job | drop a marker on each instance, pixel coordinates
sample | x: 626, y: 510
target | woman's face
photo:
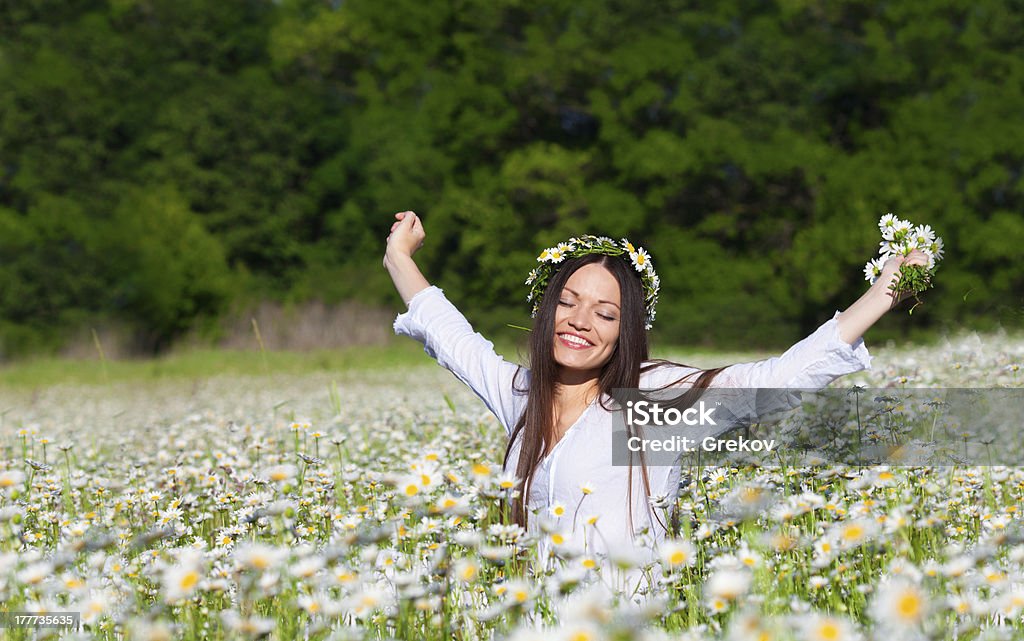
x: 587, y: 321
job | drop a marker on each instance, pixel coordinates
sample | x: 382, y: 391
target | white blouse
x: 584, y: 454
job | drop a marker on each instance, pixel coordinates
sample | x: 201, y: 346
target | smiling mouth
x: 574, y: 342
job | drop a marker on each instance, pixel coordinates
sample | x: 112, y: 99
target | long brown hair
x: 536, y: 426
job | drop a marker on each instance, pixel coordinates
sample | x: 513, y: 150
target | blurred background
x: 206, y: 173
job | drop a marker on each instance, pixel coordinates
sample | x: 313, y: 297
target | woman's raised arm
x: 405, y: 238
x: 833, y: 350
x: 875, y: 302
x: 445, y: 333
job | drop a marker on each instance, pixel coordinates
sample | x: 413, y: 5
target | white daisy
x: 728, y: 584
x: 641, y: 259
x: 466, y: 570
x: 851, y: 534
x: 819, y: 627
x: 410, y: 485
x: 11, y: 478
x: 279, y: 473
x: 887, y: 223
x: 901, y: 227
x: 900, y: 604
x: 897, y: 249
x: 259, y: 556
x: 677, y: 553
x: 873, y: 269
x: 35, y: 573
x: 924, y: 235
x: 182, y: 579
x: 517, y: 592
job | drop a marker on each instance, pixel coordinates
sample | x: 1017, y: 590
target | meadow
x: 362, y: 498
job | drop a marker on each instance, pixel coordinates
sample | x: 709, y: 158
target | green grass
x: 206, y: 363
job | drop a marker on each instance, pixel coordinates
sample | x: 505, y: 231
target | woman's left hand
x: 891, y: 273
x: 878, y: 300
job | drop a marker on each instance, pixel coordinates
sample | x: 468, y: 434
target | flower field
x: 369, y: 506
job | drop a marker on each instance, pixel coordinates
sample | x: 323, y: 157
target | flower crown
x: 551, y: 258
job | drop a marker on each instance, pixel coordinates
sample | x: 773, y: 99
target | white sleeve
x: 448, y: 337
x: 812, y: 363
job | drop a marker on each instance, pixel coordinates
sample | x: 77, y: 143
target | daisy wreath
x: 551, y: 258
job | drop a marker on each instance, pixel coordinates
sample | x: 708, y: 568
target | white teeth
x: 575, y: 340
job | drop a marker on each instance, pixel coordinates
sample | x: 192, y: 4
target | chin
x: 580, y: 364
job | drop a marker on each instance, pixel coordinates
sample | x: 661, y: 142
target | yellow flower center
x: 853, y: 533
x: 189, y: 580
x: 828, y: 631
x: 908, y: 606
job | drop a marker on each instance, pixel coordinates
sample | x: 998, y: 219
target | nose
x: 579, y: 319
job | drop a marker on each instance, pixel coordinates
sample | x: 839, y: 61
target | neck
x: 576, y: 385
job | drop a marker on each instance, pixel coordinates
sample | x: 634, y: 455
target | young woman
x: 593, y: 302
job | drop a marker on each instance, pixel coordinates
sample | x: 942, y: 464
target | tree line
x: 164, y: 161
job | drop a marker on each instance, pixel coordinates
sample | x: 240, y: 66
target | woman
x: 592, y: 308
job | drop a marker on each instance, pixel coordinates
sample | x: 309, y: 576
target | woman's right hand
x: 405, y: 238
x: 406, y: 235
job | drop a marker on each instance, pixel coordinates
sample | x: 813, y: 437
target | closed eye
x: 602, y: 316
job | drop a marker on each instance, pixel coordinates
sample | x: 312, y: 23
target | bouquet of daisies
x: 899, y: 238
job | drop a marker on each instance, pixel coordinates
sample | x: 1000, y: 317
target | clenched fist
x: 406, y: 235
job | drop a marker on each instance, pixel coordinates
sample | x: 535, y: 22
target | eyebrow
x: 577, y: 294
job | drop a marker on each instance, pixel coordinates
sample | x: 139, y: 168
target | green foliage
x: 48, y: 275
x: 166, y: 269
x: 160, y: 159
